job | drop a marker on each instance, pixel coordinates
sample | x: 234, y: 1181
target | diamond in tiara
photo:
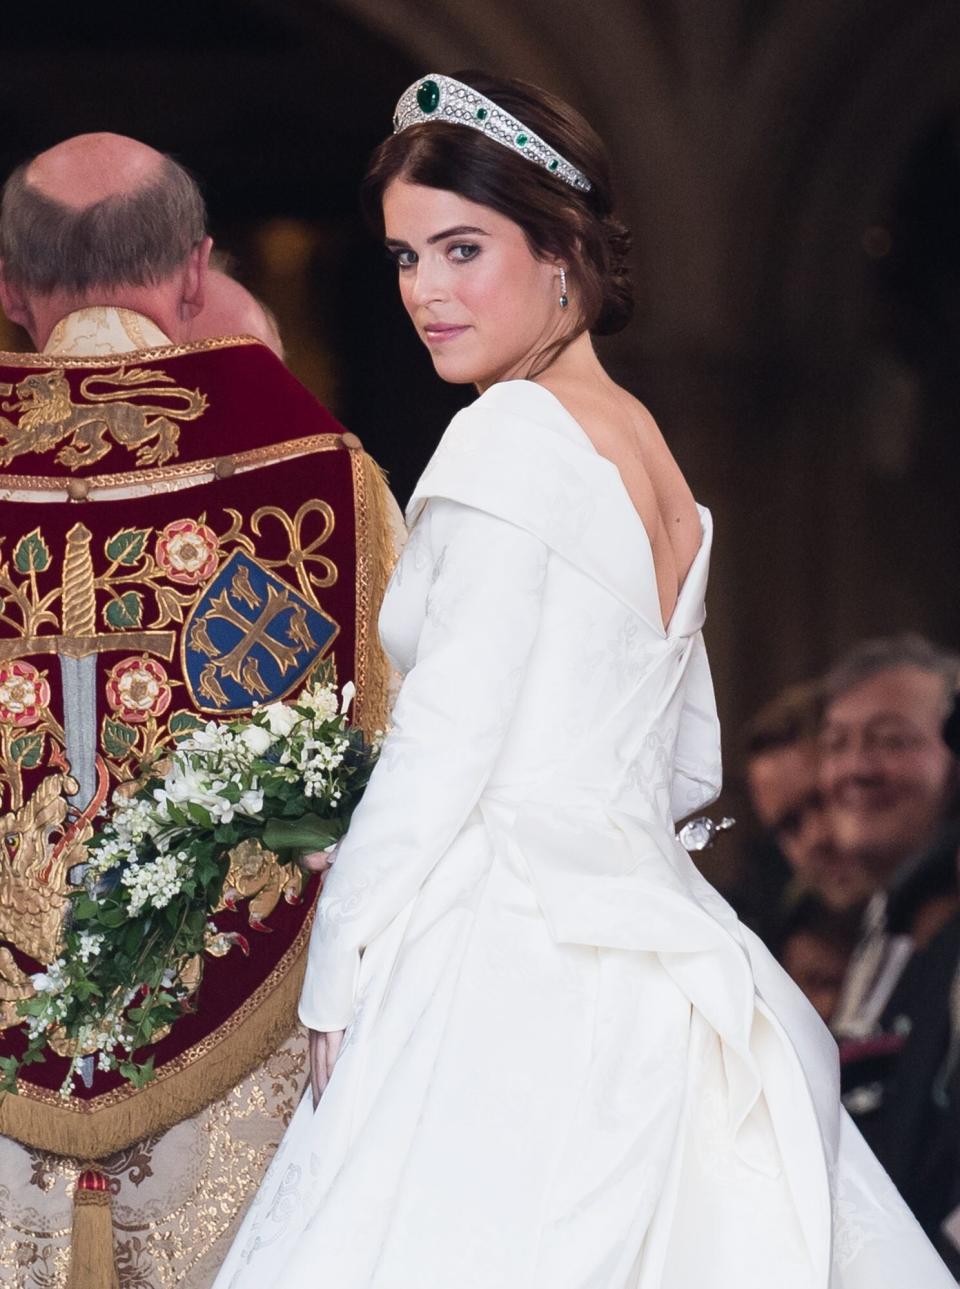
x: 441, y: 98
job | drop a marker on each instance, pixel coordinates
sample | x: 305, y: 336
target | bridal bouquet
x: 289, y: 777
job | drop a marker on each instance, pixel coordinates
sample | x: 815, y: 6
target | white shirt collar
x: 103, y: 329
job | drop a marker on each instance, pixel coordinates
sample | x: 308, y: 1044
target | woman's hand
x: 320, y: 860
x: 324, y: 1050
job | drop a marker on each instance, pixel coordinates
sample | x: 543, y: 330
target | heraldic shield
x: 250, y: 638
x: 146, y: 588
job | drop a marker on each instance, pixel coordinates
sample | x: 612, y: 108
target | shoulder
x: 511, y: 445
x: 521, y: 408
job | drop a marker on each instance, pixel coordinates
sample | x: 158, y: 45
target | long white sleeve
x: 454, y: 707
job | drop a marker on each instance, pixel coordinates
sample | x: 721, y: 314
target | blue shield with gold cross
x: 250, y: 639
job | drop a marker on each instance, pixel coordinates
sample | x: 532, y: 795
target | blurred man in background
x: 891, y: 785
x: 910, y: 1107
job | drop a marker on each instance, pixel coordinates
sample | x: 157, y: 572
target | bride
x: 565, y: 1064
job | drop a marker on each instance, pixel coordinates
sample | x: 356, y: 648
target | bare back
x: 622, y: 430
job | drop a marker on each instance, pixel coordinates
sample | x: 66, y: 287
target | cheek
x: 504, y: 292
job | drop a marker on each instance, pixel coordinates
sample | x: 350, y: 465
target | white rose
x: 257, y: 739
x: 281, y: 719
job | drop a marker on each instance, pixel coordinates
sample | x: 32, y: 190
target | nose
x: 429, y: 284
x: 856, y: 761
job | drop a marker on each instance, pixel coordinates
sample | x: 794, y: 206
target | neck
x: 577, y: 363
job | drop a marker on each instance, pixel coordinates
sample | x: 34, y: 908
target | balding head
x: 101, y: 219
x: 91, y: 168
x: 229, y: 309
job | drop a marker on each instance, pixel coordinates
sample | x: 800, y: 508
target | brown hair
x: 791, y: 717
x: 128, y: 240
x: 580, y: 229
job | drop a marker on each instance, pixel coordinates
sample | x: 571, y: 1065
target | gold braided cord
x: 183, y: 471
x: 8, y: 359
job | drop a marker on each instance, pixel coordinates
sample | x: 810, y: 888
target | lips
x: 441, y: 333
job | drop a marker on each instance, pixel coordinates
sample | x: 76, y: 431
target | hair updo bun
x: 579, y: 228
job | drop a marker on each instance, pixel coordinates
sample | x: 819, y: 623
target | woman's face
x: 480, y: 300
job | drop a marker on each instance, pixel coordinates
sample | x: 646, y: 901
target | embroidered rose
x: 24, y: 693
x: 187, y: 551
x: 138, y: 688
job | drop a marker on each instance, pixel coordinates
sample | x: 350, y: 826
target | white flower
x: 257, y: 739
x: 89, y: 946
x: 349, y: 692
x: 320, y: 702
x: 281, y: 718
x: 155, y: 883
x: 50, y: 981
x: 251, y: 802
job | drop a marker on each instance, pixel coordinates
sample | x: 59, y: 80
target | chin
x: 456, y: 371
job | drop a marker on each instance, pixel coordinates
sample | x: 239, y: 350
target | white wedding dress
x: 567, y: 1065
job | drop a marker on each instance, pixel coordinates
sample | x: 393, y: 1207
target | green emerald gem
x: 554, y: 164
x: 482, y: 113
x: 428, y: 96
x: 521, y: 140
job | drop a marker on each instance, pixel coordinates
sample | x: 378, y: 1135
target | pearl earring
x: 564, y: 299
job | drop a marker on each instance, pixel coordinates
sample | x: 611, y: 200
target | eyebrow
x: 459, y: 231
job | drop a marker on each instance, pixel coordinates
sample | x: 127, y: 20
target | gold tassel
x: 92, y: 1263
x: 376, y: 557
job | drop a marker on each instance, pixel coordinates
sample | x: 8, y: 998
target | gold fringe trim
x: 376, y: 557
x: 165, y: 1101
x: 92, y: 1261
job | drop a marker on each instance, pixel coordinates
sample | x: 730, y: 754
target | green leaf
x: 31, y: 554
x: 84, y: 908
x: 138, y: 1075
x: 127, y: 611
x: 112, y: 916
x: 118, y: 738
x: 126, y: 547
x: 306, y: 834
x: 183, y: 723
x: 27, y: 750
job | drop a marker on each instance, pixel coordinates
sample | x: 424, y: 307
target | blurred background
x: 791, y: 172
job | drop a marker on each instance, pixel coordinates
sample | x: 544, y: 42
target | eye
x: 464, y: 251
x: 403, y: 259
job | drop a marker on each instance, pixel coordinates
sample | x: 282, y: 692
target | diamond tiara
x: 440, y: 98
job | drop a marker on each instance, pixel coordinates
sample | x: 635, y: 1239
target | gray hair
x: 134, y: 239
x: 871, y: 657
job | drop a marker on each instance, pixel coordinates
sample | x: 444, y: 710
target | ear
x: 13, y: 301
x: 194, y: 290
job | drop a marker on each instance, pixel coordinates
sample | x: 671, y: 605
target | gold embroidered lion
x: 38, y: 847
x: 48, y: 416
